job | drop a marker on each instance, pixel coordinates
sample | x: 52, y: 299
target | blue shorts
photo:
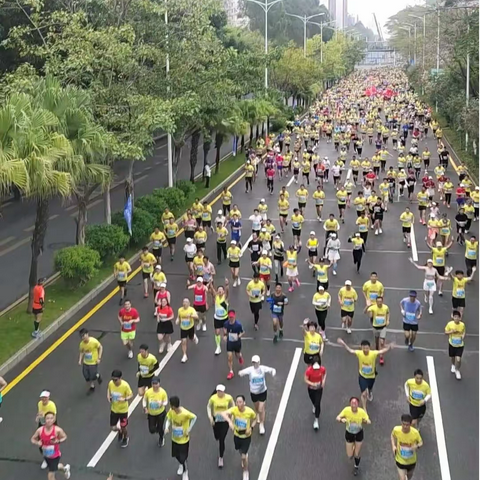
x: 366, y: 383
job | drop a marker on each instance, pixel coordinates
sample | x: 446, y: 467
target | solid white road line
x: 437, y: 416
x: 245, y: 245
x: 290, y: 181
x: 112, y: 435
x: 413, y: 241
x: 272, y: 441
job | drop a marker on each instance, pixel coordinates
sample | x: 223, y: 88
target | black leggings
x: 357, y: 258
x: 221, y: 247
x: 248, y: 183
x: 316, y: 399
x: 156, y: 424
x: 220, y: 430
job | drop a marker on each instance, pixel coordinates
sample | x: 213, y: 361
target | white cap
x: 316, y: 366
x: 429, y: 260
x: 333, y: 235
x: 312, y: 233
x: 45, y: 394
x: 255, y: 359
x: 189, y: 240
x: 158, y: 267
x: 439, y: 244
x: 199, y: 279
x: 264, y: 252
x: 163, y: 285
x: 264, y: 229
x: 262, y: 200
x: 320, y: 287
x: 220, y: 388
x: 220, y: 212
x: 233, y: 242
x: 278, y: 236
x: 348, y: 282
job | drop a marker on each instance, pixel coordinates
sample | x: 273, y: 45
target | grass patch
x: 16, y: 326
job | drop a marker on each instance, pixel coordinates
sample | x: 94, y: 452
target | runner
x: 358, y: 249
x: 278, y: 248
x: 121, y: 270
x: 171, y: 229
x: 242, y: 420
x: 181, y: 422
x: 158, y: 279
x: 190, y: 250
x: 256, y: 292
x: 319, y: 197
x: 455, y: 329
x: 91, y: 351
x: 291, y: 266
x: 258, y: 388
x: 366, y: 367
x: 418, y: 394
x: 154, y: 402
x: 233, y: 332
x: 147, y: 364
x: 302, y: 197
x: 471, y: 254
x: 200, y: 303
x: 265, y: 269
x: 347, y: 298
x: 354, y: 417
x: 315, y: 378
x: 48, y: 437
x: 233, y: 254
x: 165, y: 316
x: 458, y: 290
x: 407, y: 218
x: 313, y: 343
x: 186, y: 317
x: 147, y: 261
x: 218, y: 403
x: 405, y: 441
x: 277, y: 302
x: 45, y: 405
x: 118, y: 395
x: 222, y: 234
x: 411, y: 310
x: 372, y: 289
x: 322, y: 302
x: 220, y: 314
x: 158, y: 240
x: 332, y: 250
x: 128, y: 318
x: 379, y: 314
x: 37, y: 306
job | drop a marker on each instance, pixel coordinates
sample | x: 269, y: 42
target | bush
x: 278, y: 124
x: 142, y: 225
x: 188, y: 188
x: 107, y: 240
x: 174, y: 197
x: 153, y: 204
x: 77, y: 264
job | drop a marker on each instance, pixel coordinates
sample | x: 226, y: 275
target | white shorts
x: 333, y: 255
x: 430, y: 286
x: 292, y: 272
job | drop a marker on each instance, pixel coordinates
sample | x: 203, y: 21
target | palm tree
x: 230, y: 122
x: 87, y: 166
x: 36, y: 143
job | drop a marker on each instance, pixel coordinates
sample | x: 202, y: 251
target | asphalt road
x: 18, y: 220
x: 299, y: 452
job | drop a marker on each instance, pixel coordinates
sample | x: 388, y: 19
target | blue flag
x: 234, y: 146
x: 127, y: 213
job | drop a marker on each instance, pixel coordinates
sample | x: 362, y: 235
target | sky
x: 383, y: 9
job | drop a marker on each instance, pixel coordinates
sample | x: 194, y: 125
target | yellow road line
x: 87, y: 316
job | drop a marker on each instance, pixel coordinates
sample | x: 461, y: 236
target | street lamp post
x: 305, y: 20
x: 169, y: 135
x: 266, y: 6
x: 422, y: 18
x: 409, y: 30
x: 321, y: 24
x: 414, y: 26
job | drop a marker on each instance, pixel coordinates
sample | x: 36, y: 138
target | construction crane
x: 379, y: 30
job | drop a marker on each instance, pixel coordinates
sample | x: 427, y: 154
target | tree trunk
x: 263, y: 130
x: 250, y: 140
x: 207, y: 144
x: 268, y: 125
x: 242, y: 143
x: 38, y: 239
x: 195, y: 139
x: 81, y: 219
x: 219, y: 137
x: 107, y: 206
x: 257, y: 135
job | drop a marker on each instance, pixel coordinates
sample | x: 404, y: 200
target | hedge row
x: 78, y: 264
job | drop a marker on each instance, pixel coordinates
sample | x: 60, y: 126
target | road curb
x: 14, y: 360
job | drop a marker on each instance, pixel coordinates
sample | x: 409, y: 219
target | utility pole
x: 305, y: 20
